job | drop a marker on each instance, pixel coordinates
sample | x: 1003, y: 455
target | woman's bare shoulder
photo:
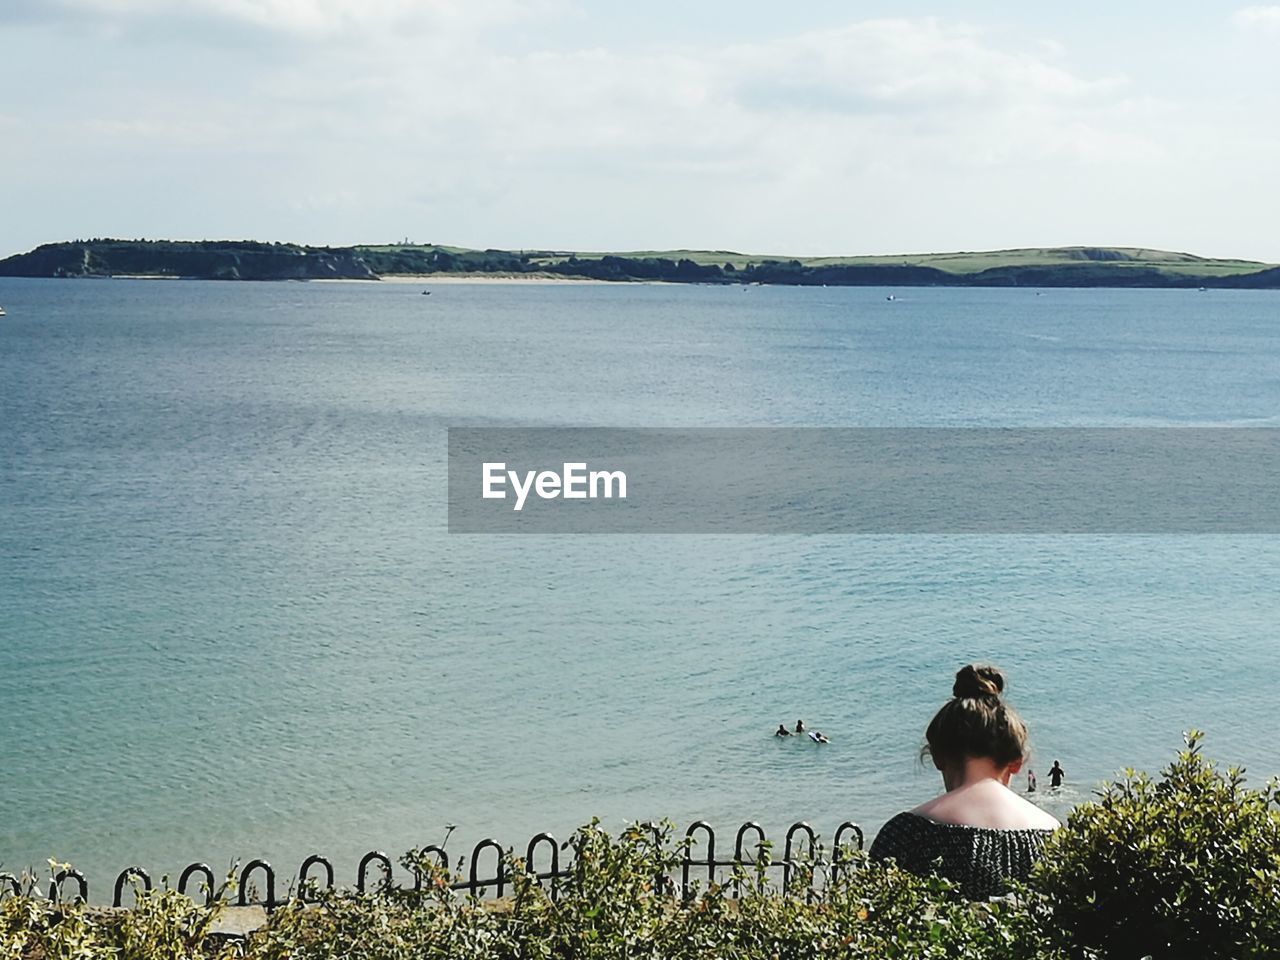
x: 989, y: 805
x: 1036, y: 818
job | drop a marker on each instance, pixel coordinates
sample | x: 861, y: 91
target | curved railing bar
x: 848, y: 826
x: 839, y: 854
x: 442, y: 860
x: 209, y: 880
x: 687, y: 861
x: 270, y: 873
x: 788, y: 860
x: 553, y: 874
x: 71, y: 873
x: 362, y: 874
x: 136, y: 873
x: 499, y: 879
x: 760, y: 841
x: 305, y: 883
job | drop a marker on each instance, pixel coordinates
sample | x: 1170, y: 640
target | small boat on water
x: 1, y: 311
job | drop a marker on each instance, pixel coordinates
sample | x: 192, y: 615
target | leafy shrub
x: 164, y: 925
x: 1184, y: 867
x: 618, y: 902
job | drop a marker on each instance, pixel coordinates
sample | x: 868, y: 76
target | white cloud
x: 315, y: 19
x: 800, y: 138
x: 1258, y: 18
x: 902, y: 63
x: 429, y: 118
x: 176, y: 130
x: 810, y: 106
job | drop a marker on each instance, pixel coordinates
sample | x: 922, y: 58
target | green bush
x: 165, y: 925
x: 617, y: 903
x: 1184, y: 867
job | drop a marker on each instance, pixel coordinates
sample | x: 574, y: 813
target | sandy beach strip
x: 420, y: 279
x: 492, y: 278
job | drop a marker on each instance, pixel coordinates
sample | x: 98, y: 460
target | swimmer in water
x: 817, y: 737
x: 1031, y: 781
x: 782, y: 731
x: 799, y: 726
x: 1056, y: 775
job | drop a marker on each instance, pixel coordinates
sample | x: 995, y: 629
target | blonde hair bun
x: 976, y: 721
x: 978, y: 680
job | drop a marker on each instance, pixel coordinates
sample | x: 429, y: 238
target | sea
x: 233, y: 623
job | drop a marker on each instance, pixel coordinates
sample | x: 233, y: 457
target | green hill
x: 968, y: 264
x: 249, y: 260
x: 200, y: 259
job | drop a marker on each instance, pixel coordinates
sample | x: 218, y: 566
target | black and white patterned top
x: 982, y: 860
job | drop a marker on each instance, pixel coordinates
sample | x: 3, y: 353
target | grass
x: 959, y: 262
x: 963, y: 263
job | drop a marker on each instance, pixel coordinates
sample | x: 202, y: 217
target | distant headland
x: 250, y: 260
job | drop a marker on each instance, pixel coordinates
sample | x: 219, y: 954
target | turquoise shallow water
x: 232, y: 623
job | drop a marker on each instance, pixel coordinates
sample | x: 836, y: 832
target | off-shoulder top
x: 982, y: 860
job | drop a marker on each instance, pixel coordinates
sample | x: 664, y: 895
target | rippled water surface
x: 232, y: 623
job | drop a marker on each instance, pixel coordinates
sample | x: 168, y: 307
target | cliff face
x: 205, y: 260
x: 1262, y: 280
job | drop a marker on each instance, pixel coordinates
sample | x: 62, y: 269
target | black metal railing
x: 542, y: 861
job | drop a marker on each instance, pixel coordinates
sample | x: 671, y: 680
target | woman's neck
x: 975, y: 770
x: 978, y: 795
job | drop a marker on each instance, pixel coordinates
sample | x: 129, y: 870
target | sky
x: 806, y: 129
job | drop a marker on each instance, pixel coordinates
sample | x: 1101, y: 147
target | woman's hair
x: 976, y: 722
